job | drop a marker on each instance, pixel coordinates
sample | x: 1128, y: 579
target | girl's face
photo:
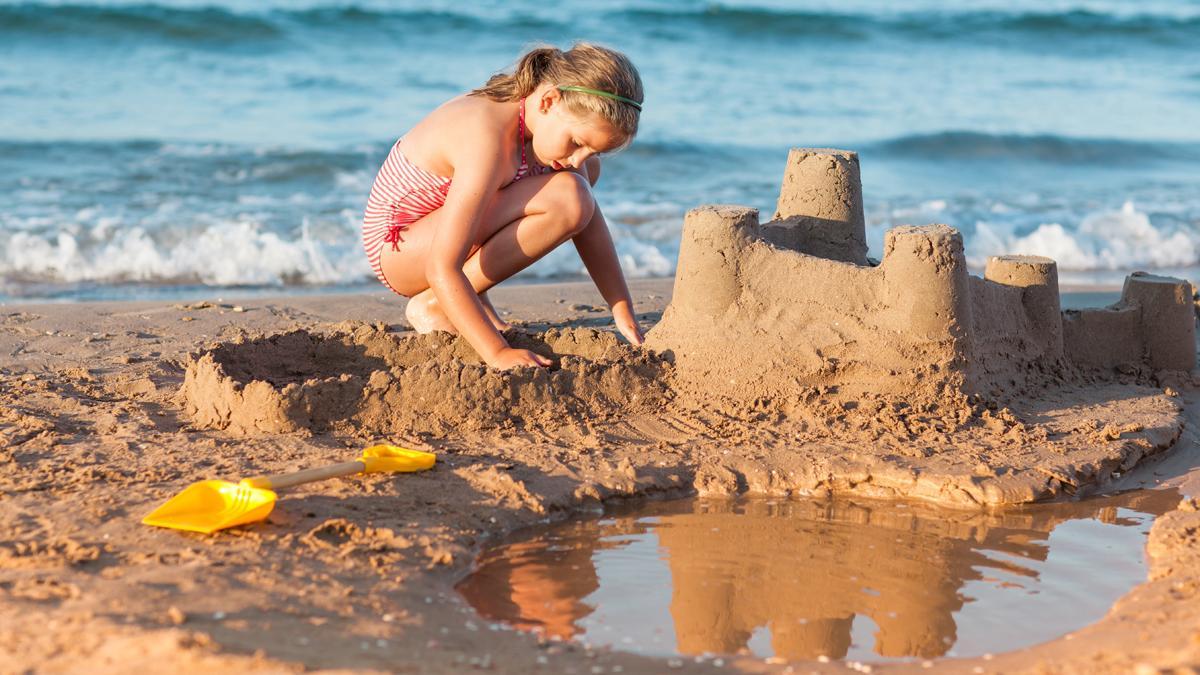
x: 564, y: 140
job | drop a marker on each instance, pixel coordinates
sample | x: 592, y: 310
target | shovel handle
x: 287, y: 480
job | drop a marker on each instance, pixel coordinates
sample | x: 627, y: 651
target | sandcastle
x: 787, y: 363
x: 795, y: 303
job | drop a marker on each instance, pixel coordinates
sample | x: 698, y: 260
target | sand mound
x: 361, y: 377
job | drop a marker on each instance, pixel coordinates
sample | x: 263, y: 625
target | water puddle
x: 797, y: 579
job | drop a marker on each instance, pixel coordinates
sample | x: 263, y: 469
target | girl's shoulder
x: 462, y: 122
x: 467, y: 108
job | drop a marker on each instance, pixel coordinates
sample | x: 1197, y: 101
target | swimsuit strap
x: 521, y: 126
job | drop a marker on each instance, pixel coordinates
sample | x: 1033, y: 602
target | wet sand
x: 97, y: 427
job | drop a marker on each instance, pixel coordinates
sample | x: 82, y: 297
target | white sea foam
x: 639, y: 248
x: 1121, y: 239
x: 89, y: 245
x: 645, y: 235
x: 1109, y: 240
x: 233, y: 253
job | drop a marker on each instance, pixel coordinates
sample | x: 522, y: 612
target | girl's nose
x: 580, y: 157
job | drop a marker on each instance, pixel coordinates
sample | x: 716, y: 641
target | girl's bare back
x: 491, y: 181
x: 462, y: 122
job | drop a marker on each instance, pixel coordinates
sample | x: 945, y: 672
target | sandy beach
x: 358, y: 574
x: 937, y: 410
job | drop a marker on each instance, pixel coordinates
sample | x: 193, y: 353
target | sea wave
x: 227, y: 254
x: 963, y: 25
x: 1104, y: 240
x: 1164, y: 236
x: 202, y: 162
x: 1073, y: 24
x: 280, y: 162
x: 170, y: 214
x: 246, y: 254
x: 266, y: 25
x: 183, y: 25
x: 220, y: 26
x: 971, y: 145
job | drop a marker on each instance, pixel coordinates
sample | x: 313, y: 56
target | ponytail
x: 529, y: 72
x: 585, y: 66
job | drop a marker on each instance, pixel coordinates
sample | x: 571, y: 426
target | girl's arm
x: 599, y: 256
x: 477, y: 168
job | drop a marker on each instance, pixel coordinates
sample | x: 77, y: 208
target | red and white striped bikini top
x: 525, y: 169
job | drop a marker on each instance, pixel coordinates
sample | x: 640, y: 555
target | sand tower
x: 820, y: 208
x: 771, y: 309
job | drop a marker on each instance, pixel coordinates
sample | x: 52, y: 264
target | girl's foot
x: 425, y: 316
x: 492, y: 315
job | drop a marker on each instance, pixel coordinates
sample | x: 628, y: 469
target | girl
x: 493, y: 180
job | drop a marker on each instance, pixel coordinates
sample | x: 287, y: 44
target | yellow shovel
x: 211, y: 505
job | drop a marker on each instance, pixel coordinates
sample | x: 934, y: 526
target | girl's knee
x: 572, y: 201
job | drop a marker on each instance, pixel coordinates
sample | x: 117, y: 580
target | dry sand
x: 108, y: 409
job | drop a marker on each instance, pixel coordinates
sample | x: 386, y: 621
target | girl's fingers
x: 632, y: 332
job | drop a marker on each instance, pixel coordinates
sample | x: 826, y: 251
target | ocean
x: 183, y: 149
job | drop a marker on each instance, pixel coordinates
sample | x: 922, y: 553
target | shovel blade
x: 213, y: 505
x: 396, y: 458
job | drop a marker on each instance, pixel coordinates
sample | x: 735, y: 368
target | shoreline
x: 94, y: 434
x: 235, y: 295
x: 514, y: 292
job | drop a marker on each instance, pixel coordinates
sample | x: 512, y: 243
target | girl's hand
x: 627, y: 324
x: 517, y: 358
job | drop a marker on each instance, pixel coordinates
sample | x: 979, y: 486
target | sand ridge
x: 363, y: 381
x: 362, y: 376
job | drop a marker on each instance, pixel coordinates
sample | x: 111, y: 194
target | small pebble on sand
x: 176, y: 615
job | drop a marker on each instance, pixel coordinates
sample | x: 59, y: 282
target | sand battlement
x: 763, y: 309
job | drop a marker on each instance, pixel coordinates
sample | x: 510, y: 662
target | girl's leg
x: 492, y: 314
x: 524, y: 222
x: 424, y: 315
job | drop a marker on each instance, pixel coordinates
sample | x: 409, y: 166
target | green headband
x: 605, y: 94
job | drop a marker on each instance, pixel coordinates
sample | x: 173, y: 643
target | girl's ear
x: 549, y: 98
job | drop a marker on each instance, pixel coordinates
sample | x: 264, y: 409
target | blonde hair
x: 583, y: 65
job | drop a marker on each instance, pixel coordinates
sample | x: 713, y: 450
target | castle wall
x: 1017, y: 325
x: 1107, y: 337
x: 1153, y: 324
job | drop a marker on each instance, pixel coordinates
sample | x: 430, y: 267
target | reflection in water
x: 801, y: 579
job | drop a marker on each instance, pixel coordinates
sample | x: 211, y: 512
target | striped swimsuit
x: 404, y: 193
